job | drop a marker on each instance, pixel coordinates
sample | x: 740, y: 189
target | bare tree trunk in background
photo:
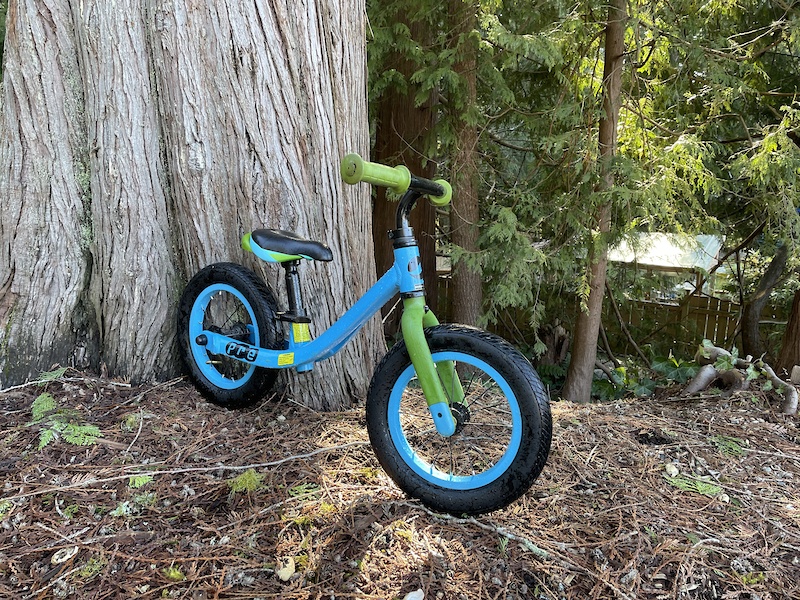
x: 400, y: 138
x: 467, y: 295
x: 790, y: 349
x: 578, y: 385
x: 140, y: 140
x: 754, y: 304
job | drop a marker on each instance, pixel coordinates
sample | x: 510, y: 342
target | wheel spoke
x: 483, y: 431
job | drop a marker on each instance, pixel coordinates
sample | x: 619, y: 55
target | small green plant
x: 692, y: 484
x: 173, y: 573
x: 5, y: 508
x: 304, y: 489
x: 301, y: 561
x: 56, y: 422
x: 92, y: 568
x: 137, y: 481
x: 503, y: 546
x: 752, y: 578
x: 729, y: 446
x: 623, y: 381
x: 124, y: 509
x: 134, y: 506
x: 367, y: 474
x: 674, y: 370
x: 50, y: 376
x: 303, y: 520
x: 724, y: 361
x: 326, y: 508
x: 145, y: 499
x: 249, y: 481
x: 131, y: 422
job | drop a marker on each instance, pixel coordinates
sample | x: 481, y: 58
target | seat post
x: 295, y: 296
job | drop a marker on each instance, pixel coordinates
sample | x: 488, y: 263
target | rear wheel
x: 229, y: 299
x: 503, y: 423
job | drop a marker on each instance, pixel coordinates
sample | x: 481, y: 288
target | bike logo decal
x: 241, y: 351
x: 415, y: 268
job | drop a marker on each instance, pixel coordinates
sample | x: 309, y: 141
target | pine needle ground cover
x: 172, y: 497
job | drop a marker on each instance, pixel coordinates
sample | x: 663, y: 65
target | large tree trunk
x: 755, y: 303
x: 141, y: 139
x: 790, y: 349
x: 401, y: 137
x: 578, y: 385
x: 467, y: 294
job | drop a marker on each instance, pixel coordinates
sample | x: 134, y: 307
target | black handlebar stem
x: 403, y: 235
x: 407, y: 203
x: 426, y: 187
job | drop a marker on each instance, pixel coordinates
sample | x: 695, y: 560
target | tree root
x: 735, y: 375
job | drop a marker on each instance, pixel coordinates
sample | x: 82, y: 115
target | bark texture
x: 141, y: 139
x: 790, y: 349
x: 467, y: 297
x: 578, y: 385
x: 755, y: 303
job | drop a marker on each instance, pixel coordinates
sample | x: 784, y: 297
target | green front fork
x: 439, y: 382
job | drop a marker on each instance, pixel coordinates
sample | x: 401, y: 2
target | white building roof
x: 668, y: 251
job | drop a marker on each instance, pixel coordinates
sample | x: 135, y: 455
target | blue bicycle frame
x: 405, y: 277
x: 301, y: 353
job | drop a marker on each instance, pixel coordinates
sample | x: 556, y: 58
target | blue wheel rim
x: 201, y: 356
x: 430, y: 469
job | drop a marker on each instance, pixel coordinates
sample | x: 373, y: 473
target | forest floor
x: 182, y: 499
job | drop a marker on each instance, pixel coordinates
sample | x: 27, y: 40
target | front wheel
x: 503, y: 423
x: 229, y: 299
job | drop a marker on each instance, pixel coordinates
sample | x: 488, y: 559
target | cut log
x: 737, y: 379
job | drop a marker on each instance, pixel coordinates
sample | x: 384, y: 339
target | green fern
x: 137, y: 481
x: 42, y: 406
x: 45, y: 437
x: 50, y: 376
x: 56, y: 422
x: 729, y: 446
x: 81, y: 435
x: 698, y: 486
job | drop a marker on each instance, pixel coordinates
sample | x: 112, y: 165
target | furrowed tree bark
x: 467, y: 294
x: 140, y: 140
x: 132, y: 261
x: 45, y: 224
x: 578, y: 384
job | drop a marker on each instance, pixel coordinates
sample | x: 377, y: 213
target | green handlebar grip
x: 355, y: 169
x: 445, y: 198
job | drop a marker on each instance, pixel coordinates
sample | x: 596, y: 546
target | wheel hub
x: 461, y: 414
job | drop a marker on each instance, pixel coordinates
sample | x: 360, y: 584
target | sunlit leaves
x: 706, y: 141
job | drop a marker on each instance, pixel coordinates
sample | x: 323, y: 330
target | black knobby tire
x: 229, y: 299
x: 504, y: 428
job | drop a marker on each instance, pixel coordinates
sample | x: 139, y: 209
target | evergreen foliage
x: 708, y: 136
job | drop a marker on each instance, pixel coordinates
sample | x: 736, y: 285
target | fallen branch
x: 789, y: 406
x: 735, y: 373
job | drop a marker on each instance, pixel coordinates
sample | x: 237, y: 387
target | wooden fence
x: 664, y: 327
x: 657, y: 327
x: 676, y: 327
